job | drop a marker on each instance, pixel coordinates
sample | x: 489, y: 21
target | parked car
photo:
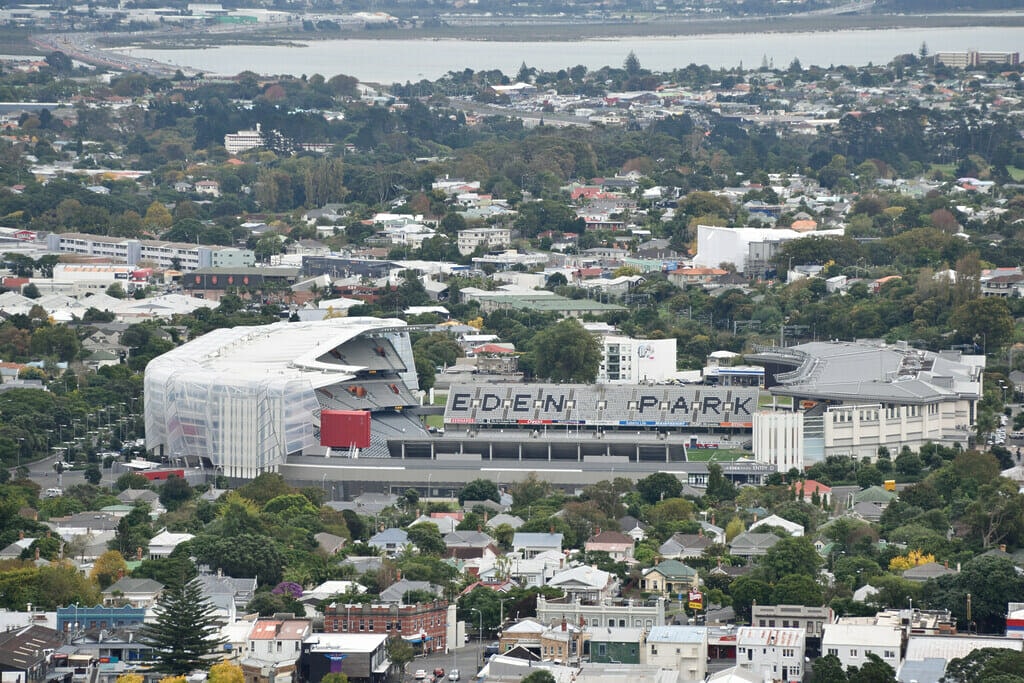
x: 439, y: 674
x: 453, y: 675
x: 420, y: 675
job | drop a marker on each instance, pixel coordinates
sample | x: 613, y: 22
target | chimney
x: 138, y: 553
x: 47, y: 534
x: 597, y: 532
x: 479, y: 528
x: 755, y: 516
x: 1002, y: 546
x: 487, y: 516
x: 220, y: 572
x: 37, y: 554
x: 21, y: 535
x: 946, y: 564
x: 700, y: 532
x: 713, y: 519
x: 565, y: 624
x: 551, y: 529
x: 398, y: 575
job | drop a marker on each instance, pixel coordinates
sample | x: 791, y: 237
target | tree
x: 565, y: 352
x: 184, y: 633
x: 226, y: 672
x: 336, y: 677
x: 175, y: 492
x: 989, y: 580
x: 631, y: 64
x: 480, y: 489
x: 246, y: 555
x: 792, y: 555
x: 108, y: 568
x: 93, y: 474
x: 984, y: 665
x: 659, y: 486
x: 796, y: 589
x: 539, y: 676
x: 987, y: 322
x: 719, y: 487
x: 116, y: 290
x: 745, y: 591
x: 828, y: 669
x: 427, y: 537
x: 872, y: 671
x: 400, y: 652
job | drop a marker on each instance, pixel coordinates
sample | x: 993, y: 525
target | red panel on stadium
x: 345, y: 428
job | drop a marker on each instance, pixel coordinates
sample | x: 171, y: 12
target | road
x: 466, y: 659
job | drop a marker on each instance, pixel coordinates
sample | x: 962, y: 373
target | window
x: 654, y: 649
x: 602, y: 650
x: 371, y: 625
x: 889, y: 654
x: 279, y: 646
x: 786, y: 652
x: 833, y: 651
x: 853, y: 653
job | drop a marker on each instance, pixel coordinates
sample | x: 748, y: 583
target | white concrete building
x: 246, y: 397
x: 776, y: 654
x: 159, y: 253
x: 243, y: 140
x: 625, y: 360
x: 779, y: 439
x: 857, y: 396
x: 680, y: 648
x: 749, y: 249
x: 488, y: 238
x: 852, y: 643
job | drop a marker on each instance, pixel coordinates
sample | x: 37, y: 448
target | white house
x: 791, y: 528
x: 164, y: 543
x: 680, y: 648
x: 776, y: 654
x: 852, y: 643
x: 532, y: 544
x: 586, y: 583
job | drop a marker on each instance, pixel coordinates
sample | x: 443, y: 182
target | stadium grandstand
x: 246, y: 398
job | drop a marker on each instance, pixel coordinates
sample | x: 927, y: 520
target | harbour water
x: 389, y: 61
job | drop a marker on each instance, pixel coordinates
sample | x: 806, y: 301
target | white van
x: 53, y: 493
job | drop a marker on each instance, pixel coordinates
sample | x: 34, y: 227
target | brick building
x: 424, y: 625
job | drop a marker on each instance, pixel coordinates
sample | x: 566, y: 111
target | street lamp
x: 501, y: 618
x: 480, y: 631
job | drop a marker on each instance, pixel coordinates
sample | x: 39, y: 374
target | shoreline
x: 540, y: 32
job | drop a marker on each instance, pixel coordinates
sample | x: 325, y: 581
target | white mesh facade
x: 245, y: 397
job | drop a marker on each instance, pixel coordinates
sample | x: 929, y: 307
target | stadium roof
x: 278, y: 352
x: 866, y: 371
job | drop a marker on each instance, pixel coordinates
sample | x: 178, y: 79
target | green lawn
x: 719, y: 454
x: 436, y: 421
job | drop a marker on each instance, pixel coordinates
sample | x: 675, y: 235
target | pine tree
x: 184, y: 634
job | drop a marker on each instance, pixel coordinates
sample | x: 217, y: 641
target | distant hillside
x: 916, y: 6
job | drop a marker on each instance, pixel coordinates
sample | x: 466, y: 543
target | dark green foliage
x: 480, y: 489
x: 659, y: 486
x: 184, y: 632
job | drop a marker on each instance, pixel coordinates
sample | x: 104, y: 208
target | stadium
x: 336, y: 401
x: 245, y: 398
